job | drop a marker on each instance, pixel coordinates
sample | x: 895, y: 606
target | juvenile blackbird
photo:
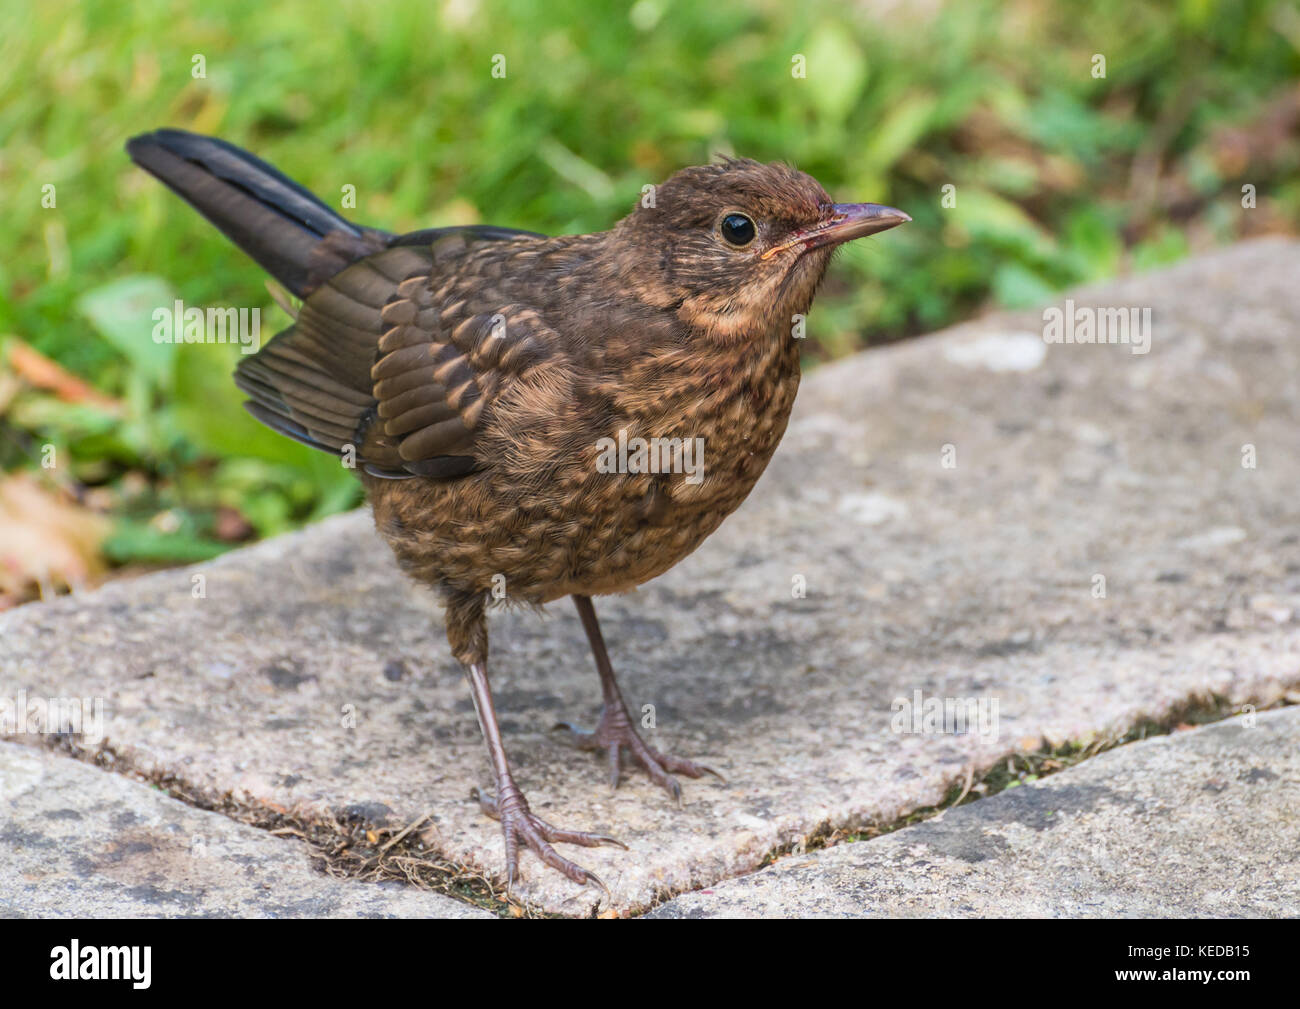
x: 479, y: 375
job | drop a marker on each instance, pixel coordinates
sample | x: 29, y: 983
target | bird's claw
x: 519, y: 823
x: 615, y: 732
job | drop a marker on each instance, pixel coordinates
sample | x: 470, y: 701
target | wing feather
x: 400, y: 354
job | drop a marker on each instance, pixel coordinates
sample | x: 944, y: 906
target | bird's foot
x: 615, y: 732
x: 518, y: 823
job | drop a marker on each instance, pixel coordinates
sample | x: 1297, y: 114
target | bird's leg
x: 518, y: 823
x: 616, y: 731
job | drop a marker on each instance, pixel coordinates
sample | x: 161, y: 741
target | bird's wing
x: 401, y: 356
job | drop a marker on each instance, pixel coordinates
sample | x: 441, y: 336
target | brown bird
x: 536, y: 417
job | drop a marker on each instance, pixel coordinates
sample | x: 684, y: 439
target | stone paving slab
x: 311, y: 675
x: 79, y: 842
x: 1202, y: 823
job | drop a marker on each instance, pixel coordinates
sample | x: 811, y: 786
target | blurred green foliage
x: 1060, y: 176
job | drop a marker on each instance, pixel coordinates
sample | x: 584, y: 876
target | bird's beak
x: 844, y: 222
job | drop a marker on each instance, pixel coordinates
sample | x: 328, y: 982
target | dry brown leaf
x: 46, y: 373
x: 47, y: 542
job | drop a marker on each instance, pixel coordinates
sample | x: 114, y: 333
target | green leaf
x: 140, y: 542
x: 837, y: 70
x: 898, y: 132
x: 339, y: 493
x: 121, y: 311
x: 987, y: 216
x: 1016, y: 286
x: 1166, y: 246
x: 1095, y: 240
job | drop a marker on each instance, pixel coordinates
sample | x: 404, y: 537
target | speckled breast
x: 600, y: 522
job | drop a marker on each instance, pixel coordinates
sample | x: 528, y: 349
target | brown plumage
x: 478, y: 377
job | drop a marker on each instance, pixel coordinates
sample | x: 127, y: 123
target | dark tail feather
x: 272, y: 218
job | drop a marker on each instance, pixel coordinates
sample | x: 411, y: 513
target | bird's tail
x: 292, y: 234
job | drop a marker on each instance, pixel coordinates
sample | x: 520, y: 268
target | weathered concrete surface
x: 1203, y: 823
x: 79, y: 842
x: 973, y: 581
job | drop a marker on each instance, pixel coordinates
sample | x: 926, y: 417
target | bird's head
x: 739, y: 245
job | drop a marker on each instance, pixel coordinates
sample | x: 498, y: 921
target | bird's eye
x: 737, y: 229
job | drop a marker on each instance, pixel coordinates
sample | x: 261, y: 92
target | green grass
x: 1060, y: 177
